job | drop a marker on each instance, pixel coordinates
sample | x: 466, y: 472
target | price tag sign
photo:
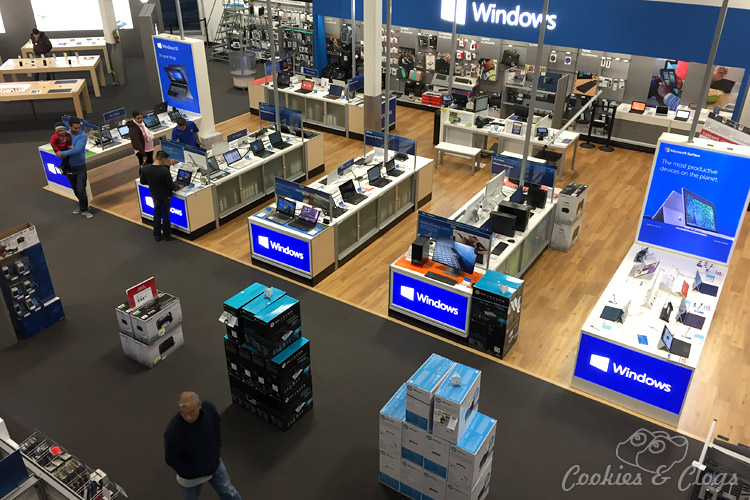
x: 142, y: 293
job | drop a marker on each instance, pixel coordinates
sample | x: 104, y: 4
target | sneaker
x: 77, y: 211
x: 158, y: 238
x: 87, y: 214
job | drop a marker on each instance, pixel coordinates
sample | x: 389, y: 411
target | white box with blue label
x: 390, y: 471
x: 412, y: 480
x: 433, y: 487
x: 479, y: 491
x: 473, y: 452
x: 456, y: 402
x: 425, y: 449
x: 413, y: 443
x: 391, y: 420
x: 421, y: 388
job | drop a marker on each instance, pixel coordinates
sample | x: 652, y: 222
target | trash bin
x: 242, y: 68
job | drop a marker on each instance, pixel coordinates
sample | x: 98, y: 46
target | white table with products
x: 72, y: 45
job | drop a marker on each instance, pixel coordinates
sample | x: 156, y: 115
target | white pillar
x: 373, y: 26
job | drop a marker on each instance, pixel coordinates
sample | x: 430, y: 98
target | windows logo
x: 453, y: 8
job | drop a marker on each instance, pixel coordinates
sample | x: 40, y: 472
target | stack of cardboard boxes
x: 268, y: 359
x: 434, y: 443
x: 495, y: 313
x: 151, y: 333
x: 569, y: 216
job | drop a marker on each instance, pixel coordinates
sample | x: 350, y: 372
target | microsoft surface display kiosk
x: 183, y: 77
x: 633, y: 350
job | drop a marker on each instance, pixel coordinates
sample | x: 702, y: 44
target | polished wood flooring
x: 561, y: 288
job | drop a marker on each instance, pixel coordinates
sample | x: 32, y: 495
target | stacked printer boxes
x: 495, y: 313
x: 434, y: 443
x: 569, y: 216
x: 151, y: 333
x: 268, y: 359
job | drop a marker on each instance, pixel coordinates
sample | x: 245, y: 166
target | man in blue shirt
x: 76, y: 156
x: 186, y: 132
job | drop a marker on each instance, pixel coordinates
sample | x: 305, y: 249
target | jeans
x: 161, y: 217
x: 50, y: 76
x: 77, y: 180
x: 220, y: 483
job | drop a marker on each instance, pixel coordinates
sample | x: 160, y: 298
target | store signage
x: 142, y: 293
x: 237, y: 135
x: 294, y: 191
x: 395, y: 143
x: 391, y: 112
x: 536, y: 172
x: 341, y: 169
x: 430, y: 301
x: 308, y: 71
x: 280, y: 247
x: 721, y: 129
x: 52, y: 169
x: 696, y: 201
x: 177, y: 211
x: 179, y: 86
x: 484, y: 12
x: 646, y: 378
x: 114, y: 115
x: 287, y: 116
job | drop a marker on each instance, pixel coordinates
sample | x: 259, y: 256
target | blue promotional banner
x: 430, y: 301
x: 177, y: 210
x: 460, y: 235
x: 237, y: 135
x: 536, y: 172
x: 116, y: 114
x: 391, y: 112
x: 281, y: 248
x: 356, y: 83
x: 87, y: 125
x: 396, y: 143
x: 646, y: 378
x: 695, y: 201
x: 294, y: 191
x: 52, y: 169
x: 287, y: 116
x: 341, y: 169
x: 179, y: 87
x: 312, y: 72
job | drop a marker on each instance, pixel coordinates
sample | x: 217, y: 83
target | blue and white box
x: 480, y: 490
x: 421, y: 388
x: 412, y: 443
x: 469, y: 458
x: 390, y: 471
x: 391, y: 421
x: 433, y: 487
x: 456, y: 405
x: 412, y: 480
x: 436, y: 455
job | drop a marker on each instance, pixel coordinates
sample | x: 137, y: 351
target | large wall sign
x: 430, y: 301
x: 486, y: 12
x: 280, y: 247
x: 695, y: 201
x: 646, y: 378
x: 177, y: 74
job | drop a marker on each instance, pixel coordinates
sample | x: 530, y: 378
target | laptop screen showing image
x: 232, y: 156
x: 176, y: 76
x: 309, y: 214
x: 151, y: 121
x: 213, y: 166
x: 257, y: 146
x: 285, y: 206
x: 666, y: 337
x: 124, y: 130
x: 307, y: 85
x: 335, y: 90
x: 390, y: 166
x: 373, y: 174
x: 699, y: 213
x: 184, y: 176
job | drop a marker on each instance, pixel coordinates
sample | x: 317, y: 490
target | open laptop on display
x: 375, y: 179
x: 689, y: 319
x: 703, y: 287
x: 277, y: 141
x: 178, y: 86
x: 160, y: 108
x: 391, y: 170
x: 283, y: 79
x: 307, y: 219
x: 214, y: 172
x: 284, y: 211
x: 232, y: 156
x: 174, y: 115
x: 153, y: 123
x: 306, y: 87
x: 183, y: 178
x: 334, y: 92
x: 259, y: 149
x: 673, y: 345
x: 124, y: 131
x: 350, y: 194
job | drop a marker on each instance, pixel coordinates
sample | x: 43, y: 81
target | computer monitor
x: 455, y: 255
x: 257, y: 146
x: 309, y: 214
x: 481, y: 103
x: 160, y: 108
x: 335, y: 90
x: 493, y: 190
x: 699, y: 212
x: 285, y: 206
x: 503, y: 223
x: 232, y: 156
x: 373, y: 174
x: 347, y: 187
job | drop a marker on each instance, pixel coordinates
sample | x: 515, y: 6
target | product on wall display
x: 150, y: 324
x: 26, y: 284
x: 433, y: 442
x: 268, y: 359
x: 495, y: 313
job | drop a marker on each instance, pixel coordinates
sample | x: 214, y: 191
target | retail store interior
x: 575, y: 319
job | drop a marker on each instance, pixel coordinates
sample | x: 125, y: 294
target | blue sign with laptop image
x: 459, y: 246
x: 281, y: 248
x: 177, y: 74
x: 696, y: 201
x: 177, y: 210
x: 646, y: 378
x: 430, y: 301
x: 537, y: 172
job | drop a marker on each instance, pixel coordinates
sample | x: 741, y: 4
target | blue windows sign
x: 178, y: 210
x: 648, y: 379
x: 179, y: 86
x: 430, y: 301
x: 280, y: 247
x: 52, y: 170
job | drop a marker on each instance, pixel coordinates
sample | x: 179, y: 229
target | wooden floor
x: 561, y: 288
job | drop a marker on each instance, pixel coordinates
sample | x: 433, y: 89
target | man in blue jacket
x: 77, y: 160
x: 192, y: 447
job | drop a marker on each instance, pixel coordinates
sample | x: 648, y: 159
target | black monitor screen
x: 347, y: 187
x: 160, y: 108
x: 390, y: 166
x: 213, y: 166
x: 481, y: 103
x: 335, y: 90
x: 285, y: 206
x: 275, y: 138
x: 373, y: 173
x: 454, y: 254
x: 257, y: 146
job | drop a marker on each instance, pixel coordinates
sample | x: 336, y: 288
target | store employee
x: 186, y: 132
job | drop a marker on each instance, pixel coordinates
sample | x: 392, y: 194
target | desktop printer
x: 465, y: 83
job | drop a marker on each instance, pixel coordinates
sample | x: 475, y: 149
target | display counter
x: 77, y: 90
x: 454, y: 309
x: 72, y: 46
x: 644, y: 129
x: 313, y: 255
x: 89, y: 64
x: 459, y: 127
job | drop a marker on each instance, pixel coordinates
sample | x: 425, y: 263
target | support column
x: 109, y: 25
x: 373, y: 26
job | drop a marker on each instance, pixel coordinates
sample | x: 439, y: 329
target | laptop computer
x: 178, y: 87
x: 183, y: 178
x: 391, y: 170
x: 699, y: 212
x: 174, y: 115
x: 277, y: 141
x: 350, y: 194
x: 160, y: 108
x: 373, y: 176
x: 284, y: 211
x: 105, y: 136
x: 283, y: 79
x: 334, y: 92
x: 306, y: 87
x: 153, y: 123
x: 705, y: 288
x: 214, y: 172
x: 232, y: 156
x: 259, y: 149
x: 124, y: 131
x: 673, y: 345
x: 689, y: 319
x: 307, y: 219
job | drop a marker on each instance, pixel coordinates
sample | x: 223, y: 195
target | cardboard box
x: 150, y: 323
x: 233, y: 356
x: 123, y: 319
x: 565, y: 236
x: 392, y: 417
x: 495, y: 313
x: 480, y: 490
x: 151, y: 355
x: 456, y: 405
x: 412, y: 480
x: 412, y: 443
x: 570, y: 203
x: 421, y: 388
x: 256, y: 306
x: 436, y: 455
x: 433, y: 487
x: 274, y: 326
x: 232, y: 316
x: 474, y: 450
x: 284, y: 370
x: 281, y: 413
x: 390, y: 470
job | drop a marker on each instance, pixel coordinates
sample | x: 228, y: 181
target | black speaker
x: 420, y: 250
x: 537, y: 198
x: 522, y: 213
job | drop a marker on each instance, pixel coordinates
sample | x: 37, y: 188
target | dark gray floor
x: 73, y: 383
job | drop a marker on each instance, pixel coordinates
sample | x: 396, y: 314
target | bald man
x: 192, y: 447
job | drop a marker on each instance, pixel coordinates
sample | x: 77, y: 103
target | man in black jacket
x: 192, y: 447
x: 160, y: 186
x: 42, y: 48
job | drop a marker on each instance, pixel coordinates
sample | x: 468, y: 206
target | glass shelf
x: 273, y: 168
x: 294, y: 163
x: 296, y: 102
x: 315, y: 111
x: 368, y: 220
x: 335, y: 115
x: 387, y: 207
x: 228, y: 194
x: 406, y: 193
x: 251, y: 184
x: 347, y: 234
